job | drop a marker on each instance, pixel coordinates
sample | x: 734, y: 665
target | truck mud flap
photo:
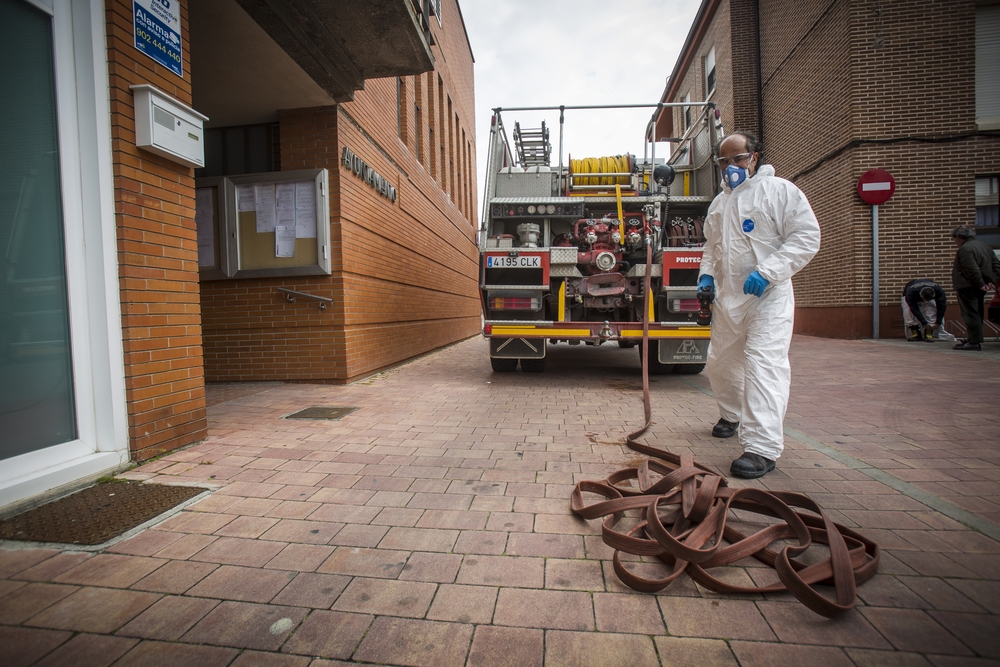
x: 517, y: 348
x: 681, y: 351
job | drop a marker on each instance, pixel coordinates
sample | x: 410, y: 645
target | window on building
x: 687, y: 111
x: 464, y: 176
x: 452, y: 128
x: 241, y: 149
x: 987, y: 201
x: 441, y: 133
x: 416, y: 133
x: 436, y: 9
x: 431, y: 124
x: 470, y: 177
x: 418, y: 119
x: 430, y: 151
x: 400, y: 109
x: 709, y: 72
x: 988, y: 66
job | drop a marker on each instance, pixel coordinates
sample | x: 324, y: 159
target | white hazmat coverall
x: 764, y: 224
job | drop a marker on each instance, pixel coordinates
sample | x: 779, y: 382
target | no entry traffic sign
x: 876, y: 186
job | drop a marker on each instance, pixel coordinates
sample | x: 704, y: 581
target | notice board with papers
x: 215, y: 256
x: 276, y: 224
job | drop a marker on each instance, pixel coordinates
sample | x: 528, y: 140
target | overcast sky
x: 574, y: 52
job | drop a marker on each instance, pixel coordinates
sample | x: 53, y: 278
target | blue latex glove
x: 755, y: 284
x: 706, y: 281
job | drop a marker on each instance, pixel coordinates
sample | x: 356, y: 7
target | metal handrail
x: 992, y: 328
x: 960, y: 328
x: 291, y: 295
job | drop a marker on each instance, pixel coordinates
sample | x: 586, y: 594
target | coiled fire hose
x: 683, y: 511
x: 607, y: 164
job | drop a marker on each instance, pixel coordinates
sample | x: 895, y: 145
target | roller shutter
x: 988, y: 65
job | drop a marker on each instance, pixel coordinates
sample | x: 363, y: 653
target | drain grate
x: 321, y: 412
x: 95, y: 514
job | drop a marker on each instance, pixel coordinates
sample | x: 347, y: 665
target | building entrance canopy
x: 250, y: 58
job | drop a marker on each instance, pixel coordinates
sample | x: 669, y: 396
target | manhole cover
x: 95, y: 514
x: 321, y: 412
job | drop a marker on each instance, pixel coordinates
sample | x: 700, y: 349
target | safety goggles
x: 736, y: 159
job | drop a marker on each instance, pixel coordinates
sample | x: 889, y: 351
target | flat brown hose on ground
x: 683, y: 510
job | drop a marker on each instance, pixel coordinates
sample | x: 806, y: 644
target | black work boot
x: 724, y: 429
x: 751, y: 466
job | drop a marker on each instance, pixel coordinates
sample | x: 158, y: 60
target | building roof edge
x: 705, y: 14
x: 465, y: 30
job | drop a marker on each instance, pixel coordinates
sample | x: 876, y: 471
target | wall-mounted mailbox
x: 166, y: 127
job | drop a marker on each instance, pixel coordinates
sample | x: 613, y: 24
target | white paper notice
x: 204, y: 214
x: 244, y: 195
x: 286, y: 196
x: 284, y: 241
x: 305, y: 195
x: 305, y: 223
x: 265, y: 207
x: 305, y: 210
x: 286, y: 217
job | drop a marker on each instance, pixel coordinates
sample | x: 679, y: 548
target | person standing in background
x: 975, y: 271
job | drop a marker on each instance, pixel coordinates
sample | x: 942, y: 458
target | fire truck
x: 563, y: 245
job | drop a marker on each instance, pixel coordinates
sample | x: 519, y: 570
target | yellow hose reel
x: 601, y: 165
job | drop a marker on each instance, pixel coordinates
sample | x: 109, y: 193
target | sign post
x: 875, y: 187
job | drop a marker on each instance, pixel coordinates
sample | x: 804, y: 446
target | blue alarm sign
x: 157, y: 27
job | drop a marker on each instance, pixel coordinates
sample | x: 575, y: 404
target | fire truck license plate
x: 522, y: 262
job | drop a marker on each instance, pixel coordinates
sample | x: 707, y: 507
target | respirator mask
x: 734, y: 176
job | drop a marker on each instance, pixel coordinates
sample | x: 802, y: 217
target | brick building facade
x: 157, y: 257
x: 404, y: 272
x: 108, y: 330
x: 836, y: 88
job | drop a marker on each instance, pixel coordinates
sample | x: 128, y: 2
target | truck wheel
x: 655, y: 367
x: 689, y: 369
x: 533, y: 365
x: 626, y: 344
x: 503, y: 365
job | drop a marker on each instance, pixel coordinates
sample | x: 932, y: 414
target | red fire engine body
x: 564, y: 248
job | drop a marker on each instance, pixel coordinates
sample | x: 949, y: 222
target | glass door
x: 37, y: 408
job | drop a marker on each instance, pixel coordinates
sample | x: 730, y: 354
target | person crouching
x: 924, y: 303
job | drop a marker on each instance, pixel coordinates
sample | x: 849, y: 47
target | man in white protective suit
x: 759, y: 232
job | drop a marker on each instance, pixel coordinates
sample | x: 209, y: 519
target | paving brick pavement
x: 432, y: 526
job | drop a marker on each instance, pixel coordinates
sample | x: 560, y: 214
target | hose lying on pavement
x: 683, y: 510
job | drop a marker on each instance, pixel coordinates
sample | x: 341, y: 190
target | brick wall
x: 808, y: 110
x: 743, y: 111
x: 916, y: 81
x: 837, y: 102
x: 251, y: 331
x: 404, y: 274
x: 411, y: 268
x: 157, y: 257
x: 693, y: 80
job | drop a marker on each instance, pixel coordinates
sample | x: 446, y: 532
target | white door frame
x: 86, y: 176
